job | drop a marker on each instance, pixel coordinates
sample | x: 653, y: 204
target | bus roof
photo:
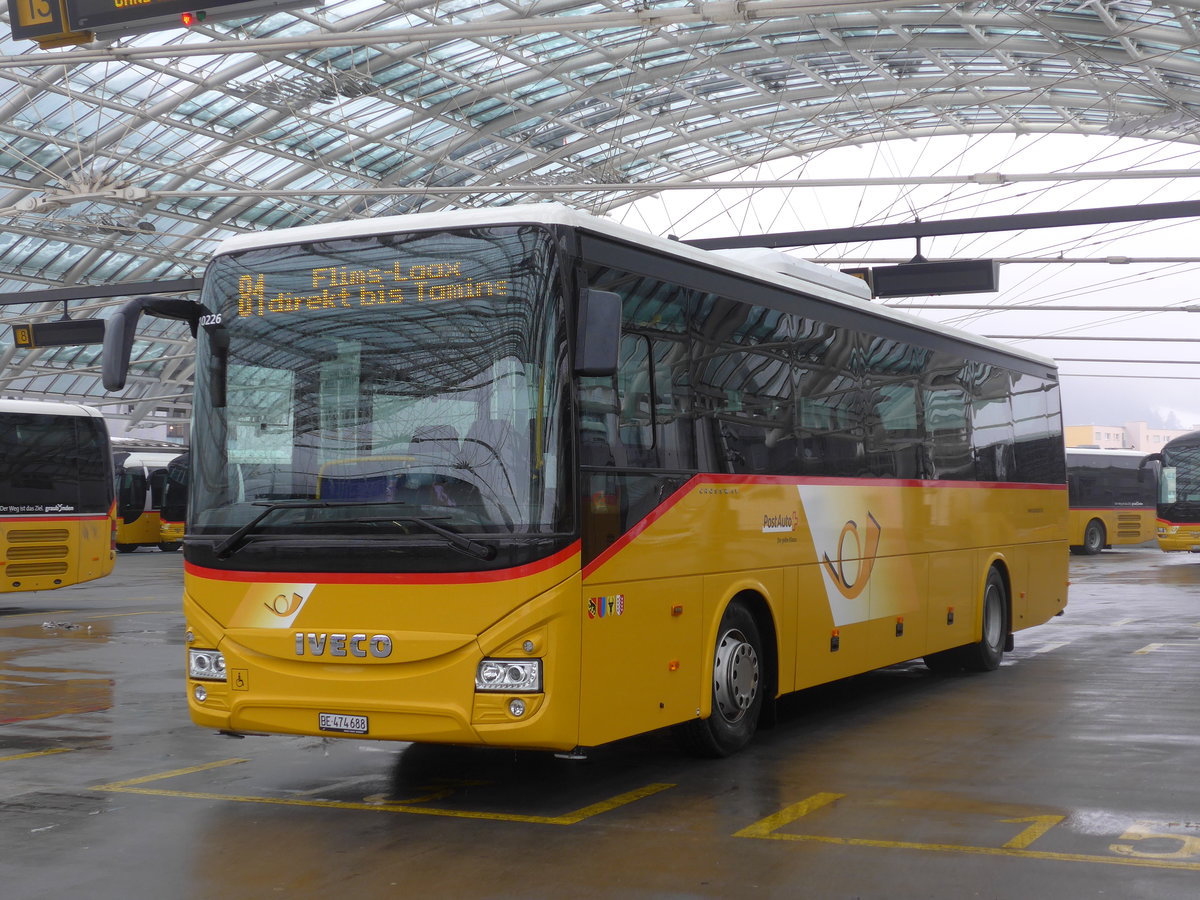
x: 49, y: 408
x: 1103, y: 451
x: 810, y: 278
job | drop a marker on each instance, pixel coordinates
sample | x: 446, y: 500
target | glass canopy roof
x: 126, y: 159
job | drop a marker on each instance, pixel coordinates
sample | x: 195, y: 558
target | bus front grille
x: 28, y: 570
x: 1129, y: 526
x: 36, y: 535
x: 58, y: 551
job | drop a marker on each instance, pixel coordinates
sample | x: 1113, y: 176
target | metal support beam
x: 1142, y: 212
x: 97, y: 291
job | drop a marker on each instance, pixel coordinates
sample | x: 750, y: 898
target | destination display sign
x: 56, y: 23
x: 107, y: 15
x: 346, y: 287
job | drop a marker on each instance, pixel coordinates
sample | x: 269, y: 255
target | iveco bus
x: 522, y: 477
x: 1178, y: 525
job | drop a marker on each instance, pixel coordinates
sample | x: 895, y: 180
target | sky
x: 1108, y: 378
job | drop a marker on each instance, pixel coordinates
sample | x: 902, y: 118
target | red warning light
x: 188, y: 19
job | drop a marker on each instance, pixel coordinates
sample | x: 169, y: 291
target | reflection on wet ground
x: 31, y: 691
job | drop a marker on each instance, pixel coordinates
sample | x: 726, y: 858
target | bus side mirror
x: 121, y: 327
x: 1146, y: 460
x: 598, y: 342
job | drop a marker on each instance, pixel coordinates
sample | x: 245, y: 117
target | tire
x: 1094, y: 538
x: 170, y: 546
x: 126, y: 548
x: 985, y: 655
x: 737, y: 689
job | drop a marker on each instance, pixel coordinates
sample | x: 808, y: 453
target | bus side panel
x: 954, y: 579
x: 1044, y: 591
x: 642, y: 656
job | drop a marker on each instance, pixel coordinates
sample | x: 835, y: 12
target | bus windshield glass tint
x: 397, y: 379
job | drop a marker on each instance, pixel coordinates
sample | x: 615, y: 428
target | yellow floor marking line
x: 1041, y: 824
x: 767, y: 829
x: 36, y: 753
x: 134, y: 786
x: 1149, y: 648
x: 149, y: 612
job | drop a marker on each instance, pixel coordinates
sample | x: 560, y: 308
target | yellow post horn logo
x: 866, y: 554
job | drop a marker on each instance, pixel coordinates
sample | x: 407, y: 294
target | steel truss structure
x: 125, y: 160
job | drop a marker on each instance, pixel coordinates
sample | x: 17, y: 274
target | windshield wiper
x: 234, y: 541
x: 453, y: 538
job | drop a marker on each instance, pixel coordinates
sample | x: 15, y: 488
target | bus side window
x: 634, y: 388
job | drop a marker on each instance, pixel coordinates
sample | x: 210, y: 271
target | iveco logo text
x: 313, y: 644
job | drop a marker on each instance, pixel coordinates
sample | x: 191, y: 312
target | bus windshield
x: 377, y: 394
x: 1181, y: 474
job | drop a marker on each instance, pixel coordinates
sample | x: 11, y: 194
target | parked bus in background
x: 174, y: 505
x: 141, y: 480
x: 526, y: 478
x: 1178, y: 526
x: 1112, y: 499
x: 56, y: 495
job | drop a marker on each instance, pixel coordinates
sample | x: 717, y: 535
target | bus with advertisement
x: 56, y: 495
x: 527, y: 478
x: 1112, y: 499
x: 1178, y: 510
x: 141, y: 475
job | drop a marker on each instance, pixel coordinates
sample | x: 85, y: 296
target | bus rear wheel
x: 126, y: 548
x: 985, y: 655
x: 1093, y: 538
x: 737, y: 689
x: 170, y: 546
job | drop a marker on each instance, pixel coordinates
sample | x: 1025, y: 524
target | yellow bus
x: 174, y: 505
x: 56, y: 495
x: 1178, y: 510
x: 141, y: 482
x: 526, y: 478
x: 1112, y: 499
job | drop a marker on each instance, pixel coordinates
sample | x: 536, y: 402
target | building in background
x: 1131, y: 436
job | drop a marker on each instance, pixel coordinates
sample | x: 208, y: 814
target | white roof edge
x: 1108, y: 451
x: 49, y: 408
x: 809, y: 277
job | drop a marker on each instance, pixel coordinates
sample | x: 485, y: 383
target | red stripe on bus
x: 624, y: 540
x: 535, y: 568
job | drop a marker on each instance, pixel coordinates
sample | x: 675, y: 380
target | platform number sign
x: 44, y: 21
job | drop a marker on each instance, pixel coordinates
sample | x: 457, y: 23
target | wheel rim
x: 1093, y: 538
x: 993, y: 617
x: 735, y: 675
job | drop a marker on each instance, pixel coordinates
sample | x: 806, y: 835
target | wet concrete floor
x: 1070, y: 772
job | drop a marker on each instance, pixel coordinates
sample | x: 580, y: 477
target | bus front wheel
x: 126, y: 548
x: 737, y: 689
x: 170, y: 546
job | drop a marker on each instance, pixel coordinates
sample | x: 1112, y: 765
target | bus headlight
x: 206, y: 664
x: 509, y: 675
